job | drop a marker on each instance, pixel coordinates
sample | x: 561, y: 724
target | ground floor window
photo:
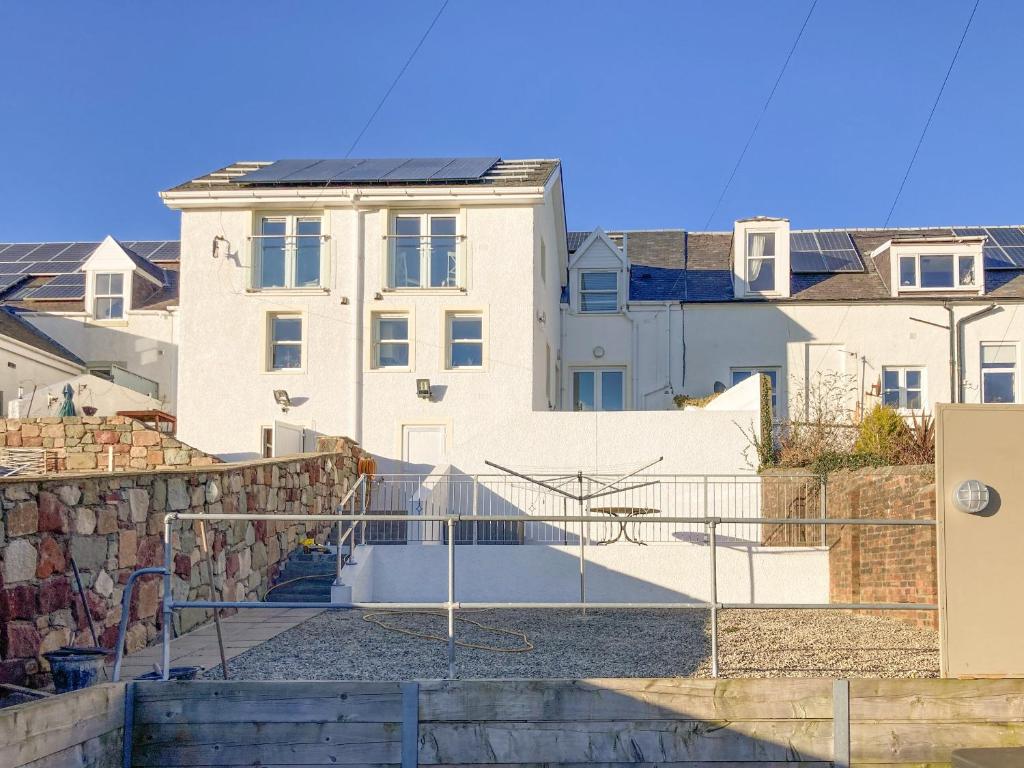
x: 903, y: 387
x: 741, y: 374
x: 267, y: 442
x: 599, y: 389
x: 998, y: 373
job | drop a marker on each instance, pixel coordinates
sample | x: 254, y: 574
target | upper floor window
x: 465, y: 340
x: 938, y: 271
x: 285, y: 336
x: 599, y: 291
x: 998, y: 373
x: 741, y: 374
x: 108, y: 302
x: 288, y: 252
x: 391, y: 341
x: 760, y: 264
x: 424, y: 252
x: 903, y: 388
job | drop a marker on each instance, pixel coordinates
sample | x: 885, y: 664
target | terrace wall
x: 113, y: 523
x: 83, y: 443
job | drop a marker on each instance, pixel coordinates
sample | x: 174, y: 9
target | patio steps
x: 305, y: 578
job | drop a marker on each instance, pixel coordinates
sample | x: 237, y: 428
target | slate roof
x: 21, y: 330
x: 505, y: 173
x: 676, y: 265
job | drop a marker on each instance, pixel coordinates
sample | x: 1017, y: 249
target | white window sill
x: 291, y: 291
x: 467, y: 369
x: 954, y: 289
x: 425, y: 291
x: 285, y: 371
x: 595, y: 312
x: 390, y: 369
x: 118, y: 323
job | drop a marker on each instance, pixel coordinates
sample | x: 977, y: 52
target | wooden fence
x: 523, y: 723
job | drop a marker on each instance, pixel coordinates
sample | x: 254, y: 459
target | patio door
x: 425, y: 445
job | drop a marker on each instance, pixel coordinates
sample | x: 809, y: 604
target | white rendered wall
x: 31, y: 369
x: 614, y: 573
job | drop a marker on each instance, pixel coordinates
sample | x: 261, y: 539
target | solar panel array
x: 395, y: 170
x: 20, y: 262
x: 823, y: 252
x: 1004, y: 248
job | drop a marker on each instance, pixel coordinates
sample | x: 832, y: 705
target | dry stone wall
x: 113, y: 523
x: 84, y: 443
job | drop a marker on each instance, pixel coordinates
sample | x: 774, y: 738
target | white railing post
x: 713, y: 552
x: 451, y: 598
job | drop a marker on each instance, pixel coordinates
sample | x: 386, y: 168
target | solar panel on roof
x: 73, y: 278
x: 71, y: 286
x: 823, y: 252
x: 370, y: 170
x: 54, y: 267
x: 169, y: 251
x: 1004, y: 248
x: 9, y: 281
x: 1007, y: 237
x: 466, y: 168
x: 275, y: 172
x: 17, y: 250
x: 418, y: 169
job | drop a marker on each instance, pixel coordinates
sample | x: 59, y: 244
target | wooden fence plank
x: 256, y: 743
x: 37, y: 729
x: 624, y: 699
x: 640, y: 741
x: 279, y: 702
x: 101, y: 752
x: 927, y: 741
x: 945, y: 700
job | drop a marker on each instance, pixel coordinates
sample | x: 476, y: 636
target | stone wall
x: 83, y: 443
x: 884, y: 564
x: 113, y: 523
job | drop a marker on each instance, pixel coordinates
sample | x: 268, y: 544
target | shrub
x: 697, y: 401
x: 883, y: 433
x: 919, y: 447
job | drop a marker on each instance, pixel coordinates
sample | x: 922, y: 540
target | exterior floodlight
x: 719, y: 388
x: 423, y: 388
x: 281, y: 398
x: 971, y: 496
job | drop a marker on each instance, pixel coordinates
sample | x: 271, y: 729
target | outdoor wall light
x: 423, y: 389
x: 598, y: 352
x: 971, y: 496
x: 281, y: 398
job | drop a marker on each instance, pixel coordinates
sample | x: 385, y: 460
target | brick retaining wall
x: 112, y: 524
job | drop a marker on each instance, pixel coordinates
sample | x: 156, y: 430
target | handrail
x: 126, y: 598
x: 342, y: 536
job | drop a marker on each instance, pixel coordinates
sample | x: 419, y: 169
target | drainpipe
x: 951, y: 327
x: 359, y: 254
x: 958, y: 341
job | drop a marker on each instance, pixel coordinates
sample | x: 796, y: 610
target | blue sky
x: 647, y: 103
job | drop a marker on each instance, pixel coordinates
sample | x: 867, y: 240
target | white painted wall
x: 614, y: 573
x: 27, y: 367
x: 108, y: 398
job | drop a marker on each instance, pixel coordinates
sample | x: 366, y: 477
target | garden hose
x: 374, y: 617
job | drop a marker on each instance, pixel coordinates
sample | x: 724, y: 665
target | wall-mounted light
x: 598, y: 352
x: 971, y: 496
x: 423, y: 389
x: 718, y: 388
x: 281, y: 398
x: 220, y: 245
x: 542, y: 317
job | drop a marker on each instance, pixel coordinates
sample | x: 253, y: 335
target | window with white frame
x: 284, y: 333
x: 465, y: 334
x: 424, y: 252
x: 938, y: 271
x: 742, y: 374
x: 108, y: 296
x: 903, y: 388
x: 288, y: 252
x: 998, y: 372
x: 760, y: 262
x: 599, y: 291
x: 391, y: 341
x: 598, y: 389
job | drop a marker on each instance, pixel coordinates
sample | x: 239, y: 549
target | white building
x: 331, y: 294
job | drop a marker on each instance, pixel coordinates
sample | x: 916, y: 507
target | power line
x: 398, y: 77
x: 931, y: 114
x: 764, y: 109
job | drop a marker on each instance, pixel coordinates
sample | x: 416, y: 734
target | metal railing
x: 713, y: 605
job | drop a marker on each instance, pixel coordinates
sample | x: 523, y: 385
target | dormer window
x: 108, y: 293
x: 938, y: 272
x: 760, y: 262
x: 599, y: 291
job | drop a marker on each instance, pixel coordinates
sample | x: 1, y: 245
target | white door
x: 287, y: 439
x: 424, y: 444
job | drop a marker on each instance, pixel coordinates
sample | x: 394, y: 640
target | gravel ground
x: 339, y: 645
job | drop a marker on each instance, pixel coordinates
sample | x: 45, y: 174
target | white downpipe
x: 356, y: 351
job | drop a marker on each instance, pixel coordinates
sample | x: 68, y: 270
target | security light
x: 971, y: 496
x: 423, y: 389
x: 281, y: 398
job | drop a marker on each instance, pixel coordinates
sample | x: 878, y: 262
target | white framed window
x: 598, y: 389
x: 108, y: 296
x: 465, y: 335
x: 760, y: 262
x: 938, y: 271
x: 998, y: 372
x: 284, y: 337
x: 424, y: 251
x: 267, y: 442
x: 391, y: 341
x: 903, y: 388
x: 288, y: 252
x: 599, y: 291
x: 741, y: 374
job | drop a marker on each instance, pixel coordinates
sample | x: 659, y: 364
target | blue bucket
x: 75, y: 668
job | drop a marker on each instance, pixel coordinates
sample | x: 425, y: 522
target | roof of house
x: 676, y: 265
x: 404, y: 172
x: 21, y: 330
x: 47, y: 277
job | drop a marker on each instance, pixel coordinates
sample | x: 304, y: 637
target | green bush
x: 883, y: 433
